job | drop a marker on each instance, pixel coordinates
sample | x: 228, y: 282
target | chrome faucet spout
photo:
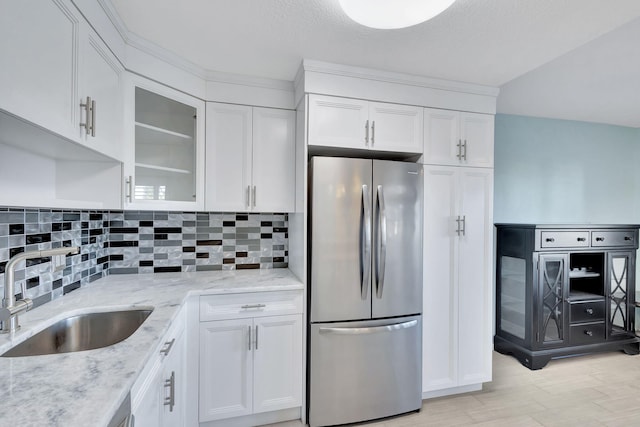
x: 10, y: 306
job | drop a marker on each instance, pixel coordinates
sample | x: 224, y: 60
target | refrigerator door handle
x: 371, y: 330
x: 365, y: 249
x: 382, y: 236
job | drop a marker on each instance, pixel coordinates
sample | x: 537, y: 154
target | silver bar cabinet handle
x: 256, y: 343
x: 249, y: 306
x: 129, y: 184
x: 248, y: 199
x: 249, y: 335
x: 93, y: 118
x: 366, y: 133
x: 171, y: 385
x: 373, y: 132
x: 254, y: 196
x: 459, y: 145
x: 382, y: 232
x: 464, y: 155
x: 366, y: 251
x: 167, y: 347
x: 464, y: 225
x: 87, y: 116
x: 458, y: 225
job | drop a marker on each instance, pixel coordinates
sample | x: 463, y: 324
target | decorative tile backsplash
x: 117, y: 242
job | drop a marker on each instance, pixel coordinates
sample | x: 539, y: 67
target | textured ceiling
x: 488, y: 42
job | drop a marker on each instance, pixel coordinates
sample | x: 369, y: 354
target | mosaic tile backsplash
x: 116, y: 242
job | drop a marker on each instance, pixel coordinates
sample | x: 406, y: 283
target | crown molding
x: 309, y: 65
x: 158, y: 52
x: 245, y: 80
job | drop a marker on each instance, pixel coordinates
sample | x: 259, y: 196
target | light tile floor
x: 587, y: 391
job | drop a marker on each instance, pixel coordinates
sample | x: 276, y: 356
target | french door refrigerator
x: 365, y: 295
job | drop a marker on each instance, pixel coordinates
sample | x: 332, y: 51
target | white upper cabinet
x: 39, y: 72
x: 250, y: 159
x: 164, y: 153
x: 458, y: 139
x: 53, y: 61
x: 101, y: 92
x: 358, y: 124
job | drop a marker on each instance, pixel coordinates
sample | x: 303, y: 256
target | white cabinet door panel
x: 338, y: 122
x: 440, y: 309
x: 228, y: 164
x: 441, y: 137
x: 474, y: 282
x: 477, y: 134
x: 225, y: 369
x: 277, y: 363
x: 102, y: 81
x: 147, y: 398
x: 395, y: 127
x: 273, y: 160
x: 458, y: 268
x: 39, y: 72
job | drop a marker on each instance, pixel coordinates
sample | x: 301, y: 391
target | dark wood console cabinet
x: 564, y: 291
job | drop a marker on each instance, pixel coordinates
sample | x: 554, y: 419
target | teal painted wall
x: 565, y: 172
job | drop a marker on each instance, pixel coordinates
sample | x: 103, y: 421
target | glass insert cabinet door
x: 552, y: 279
x: 165, y: 149
x: 621, y: 271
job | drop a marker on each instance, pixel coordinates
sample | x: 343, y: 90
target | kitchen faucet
x: 10, y: 307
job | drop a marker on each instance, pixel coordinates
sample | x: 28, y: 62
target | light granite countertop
x: 86, y: 388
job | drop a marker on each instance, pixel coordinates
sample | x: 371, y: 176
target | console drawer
x: 587, y: 333
x: 614, y: 238
x: 587, y: 311
x: 564, y: 239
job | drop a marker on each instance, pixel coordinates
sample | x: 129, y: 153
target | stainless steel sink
x: 82, y: 332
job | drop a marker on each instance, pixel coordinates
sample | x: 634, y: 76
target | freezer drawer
x: 364, y: 370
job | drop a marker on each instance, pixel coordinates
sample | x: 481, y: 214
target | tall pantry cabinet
x: 458, y: 252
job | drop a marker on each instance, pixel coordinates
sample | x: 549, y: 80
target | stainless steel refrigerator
x: 365, y: 296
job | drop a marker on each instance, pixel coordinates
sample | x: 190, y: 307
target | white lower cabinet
x: 158, y: 397
x: 458, y: 268
x: 251, y: 364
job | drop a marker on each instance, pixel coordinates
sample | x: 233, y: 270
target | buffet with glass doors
x: 564, y: 291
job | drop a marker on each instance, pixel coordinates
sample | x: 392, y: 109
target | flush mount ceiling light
x: 392, y: 14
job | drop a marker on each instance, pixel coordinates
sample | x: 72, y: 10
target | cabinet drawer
x: 564, y: 239
x: 237, y: 306
x: 587, y: 311
x: 587, y: 333
x: 618, y: 238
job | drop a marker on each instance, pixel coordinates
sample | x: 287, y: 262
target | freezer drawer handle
x: 365, y: 250
x: 372, y: 330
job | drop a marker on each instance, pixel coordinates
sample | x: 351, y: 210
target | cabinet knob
x: 582, y: 239
x: 627, y: 238
x: 599, y: 239
x: 588, y: 333
x: 550, y: 239
x: 589, y: 311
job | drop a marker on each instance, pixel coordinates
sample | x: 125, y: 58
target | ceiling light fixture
x: 392, y: 14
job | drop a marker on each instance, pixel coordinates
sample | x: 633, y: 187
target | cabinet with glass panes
x: 564, y: 291
x: 164, y: 166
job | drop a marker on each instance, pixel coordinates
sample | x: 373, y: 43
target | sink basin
x: 82, y: 332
